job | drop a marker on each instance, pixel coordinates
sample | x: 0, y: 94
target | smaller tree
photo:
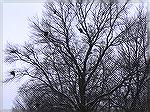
x: 35, y: 96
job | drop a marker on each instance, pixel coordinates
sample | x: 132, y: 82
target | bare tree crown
x: 90, y: 55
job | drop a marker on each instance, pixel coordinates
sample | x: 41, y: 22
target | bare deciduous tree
x: 91, y: 56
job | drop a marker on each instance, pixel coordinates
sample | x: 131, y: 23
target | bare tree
x: 133, y: 57
x: 35, y: 96
x: 75, y: 54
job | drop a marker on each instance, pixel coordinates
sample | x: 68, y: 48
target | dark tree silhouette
x: 103, y: 69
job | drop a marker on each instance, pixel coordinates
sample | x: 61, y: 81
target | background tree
x: 133, y: 62
x: 34, y: 96
x: 87, y: 56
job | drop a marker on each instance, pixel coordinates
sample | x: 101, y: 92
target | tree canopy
x: 85, y: 56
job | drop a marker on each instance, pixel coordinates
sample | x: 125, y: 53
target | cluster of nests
x: 46, y: 33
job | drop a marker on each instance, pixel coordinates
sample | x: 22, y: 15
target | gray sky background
x: 15, y: 30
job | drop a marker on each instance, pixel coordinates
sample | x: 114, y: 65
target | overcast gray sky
x: 15, y: 30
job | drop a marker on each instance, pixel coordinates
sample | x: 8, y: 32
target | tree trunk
x: 82, y: 94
